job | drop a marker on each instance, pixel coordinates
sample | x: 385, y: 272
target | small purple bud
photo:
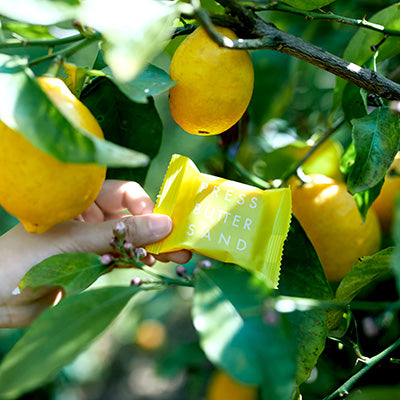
x: 370, y: 327
x: 113, y: 242
x: 202, y: 264
x: 140, y: 253
x: 107, y: 259
x: 136, y: 281
x: 271, y: 317
x: 128, y: 247
x: 120, y: 229
x: 205, y: 264
x: 181, y: 271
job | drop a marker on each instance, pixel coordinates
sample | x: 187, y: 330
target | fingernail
x: 160, y: 226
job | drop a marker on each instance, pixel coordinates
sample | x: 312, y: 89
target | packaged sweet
x: 223, y: 219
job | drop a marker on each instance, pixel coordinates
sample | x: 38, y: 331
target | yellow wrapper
x: 225, y: 220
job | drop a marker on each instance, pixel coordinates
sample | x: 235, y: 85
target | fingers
x: 95, y: 237
x: 92, y: 214
x: 21, y: 310
x: 116, y: 196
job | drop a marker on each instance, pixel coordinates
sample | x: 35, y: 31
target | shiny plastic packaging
x: 225, y: 220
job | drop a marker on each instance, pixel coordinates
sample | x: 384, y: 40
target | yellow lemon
x: 214, y: 84
x: 329, y: 216
x: 384, y: 204
x: 35, y: 187
x: 222, y: 387
x: 151, y: 335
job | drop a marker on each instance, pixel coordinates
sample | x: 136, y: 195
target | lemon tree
x: 302, y: 93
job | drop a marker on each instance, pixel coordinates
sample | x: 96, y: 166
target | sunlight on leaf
x: 376, y: 137
x: 134, y: 32
x: 41, y: 12
x: 74, y: 272
x: 30, y: 112
x: 363, y: 272
x: 227, y: 315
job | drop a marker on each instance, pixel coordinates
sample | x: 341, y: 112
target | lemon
x: 223, y: 387
x: 35, y: 187
x: 330, y: 217
x: 384, y: 204
x: 214, y: 84
x: 151, y: 335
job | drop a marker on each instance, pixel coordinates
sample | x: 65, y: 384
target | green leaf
x: 125, y: 122
x: 365, y: 199
x: 302, y: 275
x: 308, y: 4
x: 352, y: 102
x: 376, y: 142
x: 363, y: 272
x: 396, y: 238
x: 30, y: 112
x: 7, y: 221
x: 74, y: 272
x: 358, y: 50
x: 58, y: 336
x: 41, y: 12
x: 150, y: 82
x: 27, y: 31
x: 212, y: 6
x: 134, y: 32
x: 227, y: 314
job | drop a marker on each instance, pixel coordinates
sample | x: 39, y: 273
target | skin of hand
x: 90, y: 232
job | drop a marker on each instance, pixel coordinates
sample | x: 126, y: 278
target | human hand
x: 90, y: 232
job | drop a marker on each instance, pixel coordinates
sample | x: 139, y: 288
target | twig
x: 44, y: 43
x: 310, y: 152
x: 268, y: 36
x: 65, y: 52
x: 310, y: 16
x: 369, y: 363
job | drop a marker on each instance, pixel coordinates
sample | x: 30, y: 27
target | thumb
x: 76, y: 236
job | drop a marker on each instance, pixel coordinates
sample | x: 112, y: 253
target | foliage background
x: 290, y: 98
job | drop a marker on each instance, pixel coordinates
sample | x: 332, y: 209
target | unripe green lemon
x: 214, y: 84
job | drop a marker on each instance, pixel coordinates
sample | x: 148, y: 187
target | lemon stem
x: 310, y: 152
x: 44, y: 43
x: 368, y: 364
x: 66, y: 52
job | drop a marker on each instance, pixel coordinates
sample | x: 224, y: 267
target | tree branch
x: 268, y: 36
x: 328, y: 16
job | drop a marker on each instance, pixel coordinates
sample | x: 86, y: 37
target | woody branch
x: 263, y: 35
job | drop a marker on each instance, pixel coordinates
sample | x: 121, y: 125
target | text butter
x: 225, y: 220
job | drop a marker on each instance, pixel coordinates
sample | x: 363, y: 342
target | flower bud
x: 107, y: 259
x: 202, y: 264
x: 120, y: 229
x: 271, y: 317
x: 140, y: 253
x: 181, y: 271
x: 129, y: 247
x: 136, y: 281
